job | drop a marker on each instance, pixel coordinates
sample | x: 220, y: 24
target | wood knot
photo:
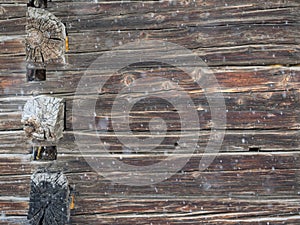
x: 128, y: 79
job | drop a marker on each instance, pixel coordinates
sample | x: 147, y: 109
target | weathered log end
x: 46, y: 37
x: 49, y: 198
x: 43, y: 118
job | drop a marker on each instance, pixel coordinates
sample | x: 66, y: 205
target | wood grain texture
x: 46, y: 37
x: 49, y: 198
x: 252, y: 48
x: 236, y: 186
x: 43, y: 119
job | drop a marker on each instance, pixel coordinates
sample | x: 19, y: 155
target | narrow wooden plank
x: 14, y: 220
x: 12, y: 46
x: 267, y: 180
x: 230, y: 79
x: 267, y: 110
x: 172, y: 209
x: 14, y: 26
x: 15, y: 142
x: 251, y: 175
x: 13, y: 207
x: 256, y: 109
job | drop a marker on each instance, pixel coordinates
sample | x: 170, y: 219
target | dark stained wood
x: 252, y: 48
x: 37, y: 3
x: 35, y: 73
x: 234, y: 184
x: 234, y: 174
x: 44, y: 153
x: 13, y: 142
x: 230, y: 79
x: 49, y: 198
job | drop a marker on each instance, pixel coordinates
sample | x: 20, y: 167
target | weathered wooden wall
x: 252, y: 47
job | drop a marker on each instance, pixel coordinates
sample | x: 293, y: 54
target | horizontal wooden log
x: 190, y: 219
x: 184, y: 210
x: 222, y: 199
x: 14, y: 142
x: 267, y: 110
x: 230, y: 79
x: 259, y: 55
x: 257, y: 109
x: 252, y: 175
x: 145, y: 14
x: 220, y: 34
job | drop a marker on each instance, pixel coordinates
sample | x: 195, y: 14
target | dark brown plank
x: 14, y: 142
x: 260, y: 174
x: 213, y: 196
x: 230, y: 79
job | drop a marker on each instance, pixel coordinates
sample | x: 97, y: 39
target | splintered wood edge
x: 43, y: 118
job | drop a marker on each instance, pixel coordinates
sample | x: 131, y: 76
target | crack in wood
x: 43, y: 118
x: 49, y: 198
x: 46, y: 37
